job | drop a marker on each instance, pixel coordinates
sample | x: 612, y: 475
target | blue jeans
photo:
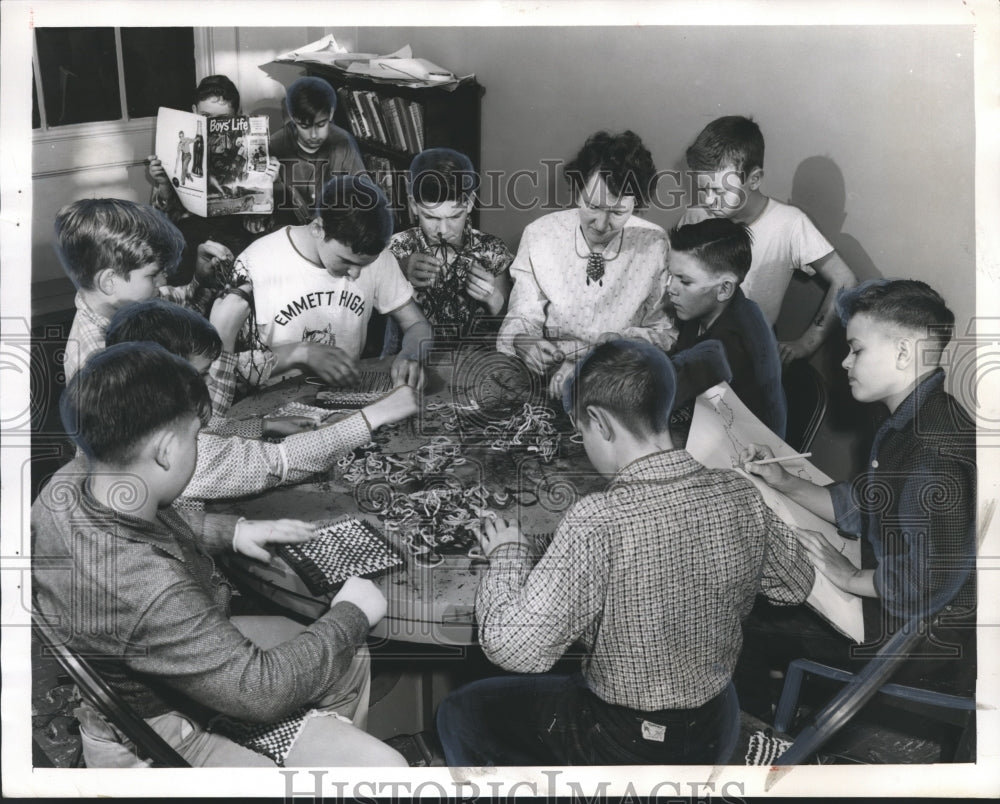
x: 556, y: 720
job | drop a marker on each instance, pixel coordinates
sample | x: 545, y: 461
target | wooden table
x: 426, y: 604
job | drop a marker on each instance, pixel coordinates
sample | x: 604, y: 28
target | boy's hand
x: 252, y: 536
x: 481, y: 286
x: 559, y: 377
x: 365, y: 595
x: 157, y: 172
x: 827, y: 559
x: 273, y: 168
x: 255, y: 224
x: 496, y: 532
x: 422, y: 269
x: 211, y: 257
x: 772, y: 473
x: 393, y: 407
x: 281, y: 426
x: 794, y: 350
x: 334, y: 366
x: 537, y: 353
x: 407, y: 371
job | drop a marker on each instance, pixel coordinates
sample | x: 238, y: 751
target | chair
x: 109, y: 703
x: 807, y: 400
x: 861, y: 687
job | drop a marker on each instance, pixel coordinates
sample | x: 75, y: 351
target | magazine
x: 217, y: 165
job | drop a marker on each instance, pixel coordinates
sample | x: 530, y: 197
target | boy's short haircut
x: 728, y: 141
x: 355, y: 212
x: 441, y: 174
x: 625, y: 164
x: 93, y: 234
x: 177, y: 329
x: 126, y: 392
x: 633, y: 380
x: 720, y: 244
x: 309, y: 97
x: 218, y: 86
x: 906, y: 303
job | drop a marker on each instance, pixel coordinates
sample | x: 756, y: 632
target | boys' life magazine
x: 217, y: 165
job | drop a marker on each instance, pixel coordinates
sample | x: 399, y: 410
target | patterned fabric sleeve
x: 788, y: 575
x: 230, y: 466
x: 655, y: 325
x: 221, y: 382
x: 526, y: 309
x: 244, y: 428
x: 527, y: 616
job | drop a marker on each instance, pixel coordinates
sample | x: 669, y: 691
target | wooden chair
x: 806, y: 394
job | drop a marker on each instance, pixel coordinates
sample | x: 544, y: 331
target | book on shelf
x: 389, y: 121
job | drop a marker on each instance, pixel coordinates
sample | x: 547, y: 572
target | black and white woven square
x: 339, y: 551
x: 371, y: 387
x: 273, y: 740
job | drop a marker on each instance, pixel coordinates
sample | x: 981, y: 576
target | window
x: 92, y: 75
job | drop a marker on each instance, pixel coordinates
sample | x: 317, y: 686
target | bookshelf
x: 393, y: 122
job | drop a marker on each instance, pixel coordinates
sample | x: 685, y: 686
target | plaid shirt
x: 148, y: 597
x: 86, y: 335
x: 231, y: 466
x: 221, y: 382
x: 916, y: 504
x: 653, y: 576
x: 446, y: 302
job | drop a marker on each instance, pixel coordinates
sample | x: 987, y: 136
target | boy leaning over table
x: 233, y: 460
x: 652, y: 576
x: 127, y: 582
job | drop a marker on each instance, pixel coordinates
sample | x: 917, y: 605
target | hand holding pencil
x: 758, y: 459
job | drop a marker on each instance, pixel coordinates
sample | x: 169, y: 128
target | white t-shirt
x: 295, y: 299
x: 784, y: 241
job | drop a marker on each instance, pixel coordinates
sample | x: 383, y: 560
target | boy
x: 315, y: 286
x: 457, y: 272
x: 116, y: 252
x: 311, y: 150
x: 653, y: 576
x: 226, y: 235
x: 916, y: 504
x: 708, y: 261
x: 231, y: 462
x: 728, y: 156
x: 127, y: 580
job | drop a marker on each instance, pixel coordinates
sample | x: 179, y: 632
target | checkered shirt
x: 653, y: 577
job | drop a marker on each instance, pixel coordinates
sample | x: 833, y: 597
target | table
x: 427, y: 604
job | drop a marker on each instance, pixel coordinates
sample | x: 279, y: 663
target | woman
x: 585, y: 275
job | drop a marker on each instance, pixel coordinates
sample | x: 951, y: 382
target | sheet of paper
x: 721, y: 428
x: 181, y: 146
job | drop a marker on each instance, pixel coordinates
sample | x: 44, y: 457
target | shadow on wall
x: 819, y: 190
x: 274, y: 107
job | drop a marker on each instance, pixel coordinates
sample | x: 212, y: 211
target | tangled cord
x: 531, y: 427
x: 230, y: 276
x: 429, y: 510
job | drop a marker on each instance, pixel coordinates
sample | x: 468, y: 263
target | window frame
x: 105, y: 143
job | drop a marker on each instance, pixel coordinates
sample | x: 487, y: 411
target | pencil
x: 782, y: 458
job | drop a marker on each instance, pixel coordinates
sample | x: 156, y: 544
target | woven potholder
x: 350, y: 547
